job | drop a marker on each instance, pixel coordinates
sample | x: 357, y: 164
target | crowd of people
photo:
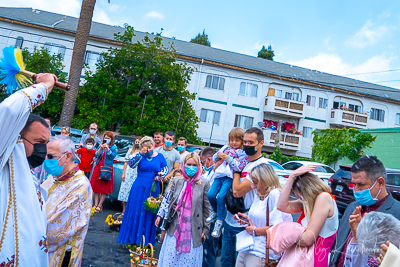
x: 227, y: 202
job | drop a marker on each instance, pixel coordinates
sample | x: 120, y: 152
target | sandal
x: 98, y: 209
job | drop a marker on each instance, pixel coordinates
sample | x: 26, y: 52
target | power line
x: 372, y: 72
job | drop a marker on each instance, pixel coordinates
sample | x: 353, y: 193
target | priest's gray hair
x: 375, y: 229
x: 65, y: 144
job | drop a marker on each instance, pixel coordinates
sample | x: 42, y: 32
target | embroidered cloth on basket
x: 68, y: 209
x: 22, y: 210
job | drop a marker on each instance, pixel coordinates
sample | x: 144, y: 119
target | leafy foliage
x: 266, y: 53
x: 41, y: 61
x: 201, y: 39
x: 330, y: 144
x: 282, y: 159
x: 138, y: 89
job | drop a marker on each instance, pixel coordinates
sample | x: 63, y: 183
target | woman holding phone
x: 269, y: 189
x: 105, y: 156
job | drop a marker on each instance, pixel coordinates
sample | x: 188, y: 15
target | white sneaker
x: 212, y: 217
x: 216, y: 233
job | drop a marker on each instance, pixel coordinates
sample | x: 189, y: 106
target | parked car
x: 342, y: 187
x: 324, y: 172
x: 280, y: 171
x: 75, y: 134
x: 123, y: 143
x: 118, y: 165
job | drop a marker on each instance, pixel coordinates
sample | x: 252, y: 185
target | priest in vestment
x: 69, y: 203
x: 23, y: 240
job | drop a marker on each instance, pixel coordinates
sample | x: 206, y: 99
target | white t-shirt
x: 209, y: 176
x: 183, y: 156
x: 249, y: 197
x: 258, y: 215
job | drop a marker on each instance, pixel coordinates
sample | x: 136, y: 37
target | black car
x: 123, y: 143
x: 342, y: 187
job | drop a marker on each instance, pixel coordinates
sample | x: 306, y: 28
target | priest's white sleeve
x: 14, y: 112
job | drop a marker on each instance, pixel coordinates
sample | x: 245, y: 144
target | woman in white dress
x: 128, y: 174
x: 268, y: 192
x: 188, y: 209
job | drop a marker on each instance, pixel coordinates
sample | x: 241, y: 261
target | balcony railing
x: 283, y: 106
x: 348, y: 118
x: 288, y: 141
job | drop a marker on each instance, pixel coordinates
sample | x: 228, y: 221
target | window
x: 397, y: 118
x: 278, y: 93
x: 342, y: 104
x: 19, y: 42
x: 307, y: 132
x: 311, y: 101
x: 55, y: 49
x: 393, y: 179
x: 292, y: 96
x: 210, y: 116
x: 355, y: 108
x: 215, y: 82
x: 91, y: 58
x: 292, y: 166
x: 323, y: 103
x: 336, y: 105
x: 249, y: 89
x: 243, y: 122
x: 377, y: 114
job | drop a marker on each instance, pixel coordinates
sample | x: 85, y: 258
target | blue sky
x: 339, y: 37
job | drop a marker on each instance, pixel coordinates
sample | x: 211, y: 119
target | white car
x: 280, y: 171
x: 324, y: 172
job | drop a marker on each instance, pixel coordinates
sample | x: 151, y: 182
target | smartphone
x: 104, y: 141
x: 241, y: 218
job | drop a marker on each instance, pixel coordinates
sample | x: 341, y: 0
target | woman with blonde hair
x: 188, y: 211
x: 65, y: 131
x: 319, y: 211
x: 268, y: 189
x: 138, y: 219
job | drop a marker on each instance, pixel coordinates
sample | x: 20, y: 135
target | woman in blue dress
x: 137, y: 220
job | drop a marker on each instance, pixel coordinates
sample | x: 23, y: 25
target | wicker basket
x: 116, y: 226
x: 156, y: 202
x: 146, y: 260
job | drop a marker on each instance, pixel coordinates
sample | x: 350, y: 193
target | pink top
x: 325, y: 239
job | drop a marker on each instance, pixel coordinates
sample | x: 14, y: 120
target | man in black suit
x: 369, y: 178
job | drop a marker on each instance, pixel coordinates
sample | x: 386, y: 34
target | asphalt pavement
x: 101, y: 248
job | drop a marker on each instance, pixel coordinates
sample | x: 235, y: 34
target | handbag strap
x: 266, y: 238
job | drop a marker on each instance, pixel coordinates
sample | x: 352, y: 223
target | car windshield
x: 344, y: 174
x: 123, y: 143
x: 324, y: 169
x: 276, y: 166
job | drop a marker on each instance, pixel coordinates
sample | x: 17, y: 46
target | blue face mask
x: 191, y: 170
x: 168, y: 143
x: 51, y: 166
x: 364, y: 197
x: 149, y: 154
x: 180, y: 148
x: 207, y: 169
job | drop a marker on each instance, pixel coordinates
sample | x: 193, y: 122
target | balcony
x: 290, y: 108
x: 346, y: 118
x: 288, y: 141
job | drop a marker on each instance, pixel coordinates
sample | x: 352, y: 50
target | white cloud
x: 70, y: 8
x: 99, y: 15
x: 252, y: 50
x: 154, y: 15
x: 333, y: 64
x: 368, y: 35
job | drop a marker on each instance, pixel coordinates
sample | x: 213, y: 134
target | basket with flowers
x: 153, y: 203
x: 142, y: 256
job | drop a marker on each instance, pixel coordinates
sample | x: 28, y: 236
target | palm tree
x: 78, y: 55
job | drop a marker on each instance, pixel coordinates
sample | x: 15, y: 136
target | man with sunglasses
x: 23, y: 239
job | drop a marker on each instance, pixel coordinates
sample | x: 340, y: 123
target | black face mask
x: 137, y: 146
x: 250, y: 150
x: 38, y: 156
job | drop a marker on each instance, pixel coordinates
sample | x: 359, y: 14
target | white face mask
x: 92, y: 131
x: 89, y: 147
x: 107, y: 140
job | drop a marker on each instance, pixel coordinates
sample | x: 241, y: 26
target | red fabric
x: 288, y: 126
x: 269, y: 123
x: 100, y: 186
x: 155, y: 145
x: 86, y: 159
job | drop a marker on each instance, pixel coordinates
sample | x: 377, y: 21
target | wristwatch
x: 254, y: 231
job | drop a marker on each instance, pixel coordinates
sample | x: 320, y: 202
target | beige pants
x: 248, y: 260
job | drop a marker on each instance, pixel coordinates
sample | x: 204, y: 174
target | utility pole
x: 212, y: 127
x: 180, y: 112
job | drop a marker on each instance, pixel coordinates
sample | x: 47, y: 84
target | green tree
x: 201, y: 39
x: 138, y: 89
x: 266, y: 53
x: 330, y: 144
x: 41, y: 61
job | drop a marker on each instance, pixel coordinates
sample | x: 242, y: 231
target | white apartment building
x: 231, y: 89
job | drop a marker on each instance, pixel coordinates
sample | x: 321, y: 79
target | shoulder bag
x: 269, y: 263
x: 105, y: 171
x: 234, y: 205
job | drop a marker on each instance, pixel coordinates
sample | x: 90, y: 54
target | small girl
x: 228, y: 159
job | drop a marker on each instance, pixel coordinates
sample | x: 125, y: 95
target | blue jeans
x: 220, y: 187
x: 228, y: 252
x: 210, y: 249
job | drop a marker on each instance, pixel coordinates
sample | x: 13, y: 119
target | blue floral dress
x: 137, y: 220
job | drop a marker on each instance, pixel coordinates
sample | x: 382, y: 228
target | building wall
x: 228, y: 101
